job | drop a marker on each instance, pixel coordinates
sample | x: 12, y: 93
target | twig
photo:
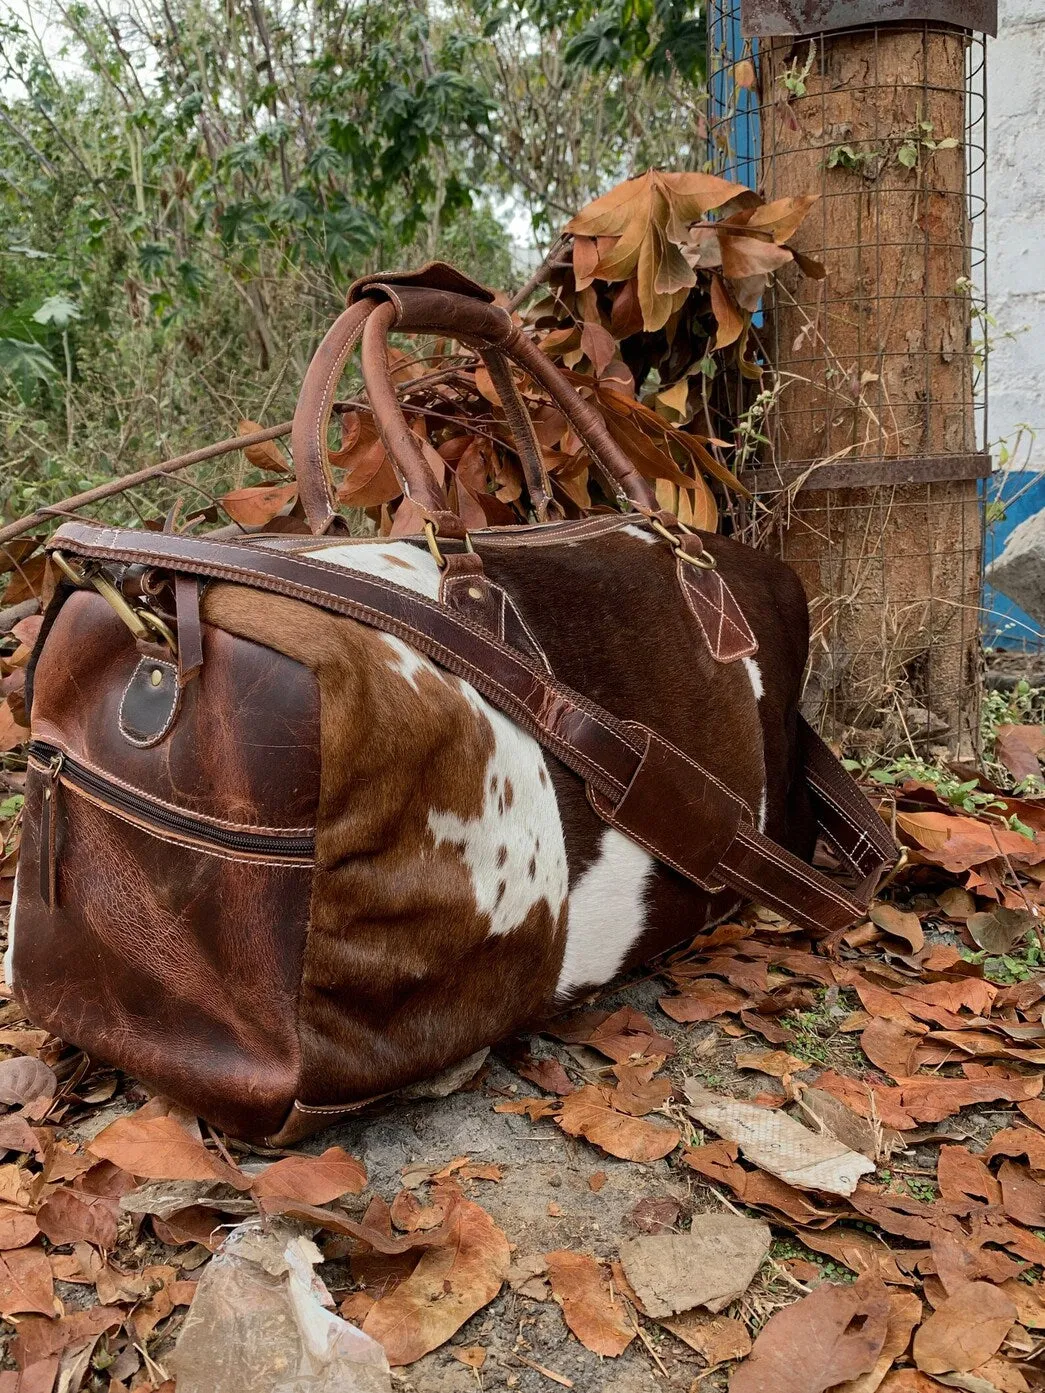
x: 115, y: 486
x: 539, y: 276
x: 548, y: 1373
x: 14, y: 614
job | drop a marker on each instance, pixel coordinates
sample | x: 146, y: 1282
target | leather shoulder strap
x: 636, y: 781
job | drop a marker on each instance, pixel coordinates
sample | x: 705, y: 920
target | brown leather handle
x: 422, y: 309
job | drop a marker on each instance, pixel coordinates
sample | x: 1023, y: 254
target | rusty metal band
x: 771, y: 18
x: 812, y: 477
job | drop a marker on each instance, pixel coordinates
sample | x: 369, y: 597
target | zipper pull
x: 49, y: 833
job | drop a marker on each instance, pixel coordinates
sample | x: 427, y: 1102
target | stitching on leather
x: 185, y: 812
x: 863, y: 836
x: 844, y: 809
x: 387, y: 290
x: 743, y: 637
x: 796, y: 870
x: 705, y: 773
x: 608, y: 815
x: 333, y: 377
x: 510, y: 604
x: 325, y: 1108
x: 169, y: 839
x: 146, y: 744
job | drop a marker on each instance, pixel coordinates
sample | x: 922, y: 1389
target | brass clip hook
x: 143, y: 624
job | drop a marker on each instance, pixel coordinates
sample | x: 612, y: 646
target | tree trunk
x: 876, y: 363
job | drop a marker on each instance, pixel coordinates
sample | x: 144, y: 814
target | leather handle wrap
x: 487, y: 327
x: 635, y: 779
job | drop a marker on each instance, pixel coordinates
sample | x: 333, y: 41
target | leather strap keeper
x: 673, y: 794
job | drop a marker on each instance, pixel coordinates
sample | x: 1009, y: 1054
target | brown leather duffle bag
x: 309, y: 819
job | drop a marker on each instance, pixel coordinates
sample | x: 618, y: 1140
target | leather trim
x: 138, y: 691
x: 713, y: 605
x: 107, y: 774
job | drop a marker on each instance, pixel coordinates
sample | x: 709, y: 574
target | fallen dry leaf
x: 1022, y: 1197
x: 1018, y: 747
x: 777, y: 1063
x: 959, y: 844
x: 472, y: 1355
x: 547, y: 1074
x: 898, y: 922
x: 719, y: 1339
x: 450, y: 1283
x: 589, y: 1113
x: 267, y: 455
x: 71, y: 1216
x: 718, y: 1162
x: 638, y: 1092
x: 834, y: 1334
x: 778, y: 1144
x: 24, y: 1079
x: 1018, y: 1141
x: 312, y: 1179
x: 159, y: 1148
x: 711, y: 1265
x: 17, y: 1227
x: 891, y: 1045
x: 253, y: 507
x: 26, y: 1283
x: 859, y: 1251
x: 1000, y: 929
x: 17, y: 1135
x: 590, y: 1306
x: 965, y: 1330
x: 703, y: 1000
x: 654, y: 1214
x: 905, y: 1311
x: 533, y: 1108
x: 620, y: 1035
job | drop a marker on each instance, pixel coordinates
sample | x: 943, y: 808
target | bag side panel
x: 177, y: 962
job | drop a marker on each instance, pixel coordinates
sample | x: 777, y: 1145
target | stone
x: 1019, y: 572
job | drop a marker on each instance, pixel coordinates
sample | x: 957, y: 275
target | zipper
x: 61, y: 768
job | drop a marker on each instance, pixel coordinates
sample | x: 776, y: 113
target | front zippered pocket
x: 162, y: 941
x: 61, y: 768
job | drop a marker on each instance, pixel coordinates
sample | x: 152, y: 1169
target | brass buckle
x: 703, y: 561
x: 143, y: 624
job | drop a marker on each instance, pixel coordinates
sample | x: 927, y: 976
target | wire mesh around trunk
x: 864, y: 443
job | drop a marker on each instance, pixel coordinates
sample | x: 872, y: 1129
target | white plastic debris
x: 262, y: 1322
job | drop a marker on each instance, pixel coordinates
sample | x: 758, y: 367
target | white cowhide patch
x: 607, y: 913
x: 9, y: 956
x: 514, y: 849
x: 754, y: 673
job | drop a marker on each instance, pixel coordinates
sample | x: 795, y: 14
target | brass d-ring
x: 431, y: 532
x: 703, y: 560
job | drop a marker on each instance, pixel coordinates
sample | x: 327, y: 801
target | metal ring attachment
x: 703, y: 560
x: 143, y: 624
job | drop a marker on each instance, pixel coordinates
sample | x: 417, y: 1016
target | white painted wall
x: 1016, y: 222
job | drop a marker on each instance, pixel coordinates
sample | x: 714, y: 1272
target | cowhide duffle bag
x: 310, y: 819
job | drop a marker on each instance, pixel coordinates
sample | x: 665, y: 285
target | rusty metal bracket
x: 769, y: 18
x: 812, y: 477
